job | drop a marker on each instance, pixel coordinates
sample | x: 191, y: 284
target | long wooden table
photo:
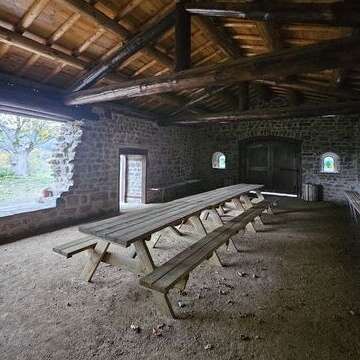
x: 134, y: 228
x: 138, y: 225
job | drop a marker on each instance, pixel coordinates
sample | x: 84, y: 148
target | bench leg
x: 237, y: 204
x: 250, y: 228
x: 197, y: 225
x: 96, y: 255
x: 204, y: 215
x: 215, y: 260
x: 154, y: 239
x: 269, y: 210
x: 147, y: 262
x: 181, y: 284
x: 174, y: 231
x: 259, y: 222
x: 220, y: 210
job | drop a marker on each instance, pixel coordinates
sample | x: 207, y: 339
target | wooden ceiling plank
x: 279, y: 64
x: 28, y: 64
x: 53, y: 73
x: 63, y: 28
x: 130, y: 6
x: 4, y: 50
x: 85, y: 45
x: 94, y: 15
x: 31, y: 14
x: 12, y: 38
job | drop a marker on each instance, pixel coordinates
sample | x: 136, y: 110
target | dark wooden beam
x: 182, y: 38
x: 289, y: 113
x: 333, y: 53
x: 269, y: 32
x: 134, y: 45
x: 340, y: 13
x: 39, y: 103
x: 219, y: 36
x: 244, y: 96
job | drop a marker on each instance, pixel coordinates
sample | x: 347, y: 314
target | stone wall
x: 317, y: 136
x: 134, y: 179
x: 176, y: 154
x: 96, y: 170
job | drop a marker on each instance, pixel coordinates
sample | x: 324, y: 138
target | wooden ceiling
x: 54, y: 42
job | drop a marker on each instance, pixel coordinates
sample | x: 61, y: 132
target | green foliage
x: 21, y: 133
x: 6, y: 173
x: 21, y: 189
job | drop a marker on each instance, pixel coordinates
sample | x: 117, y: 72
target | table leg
x: 200, y: 229
x: 248, y: 205
x: 147, y: 262
x: 96, y: 255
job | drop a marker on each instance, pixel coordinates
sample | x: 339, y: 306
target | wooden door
x: 274, y: 163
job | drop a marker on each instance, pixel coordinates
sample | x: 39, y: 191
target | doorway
x: 273, y: 162
x: 132, y: 178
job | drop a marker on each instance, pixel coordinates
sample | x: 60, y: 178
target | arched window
x: 218, y: 160
x: 330, y: 163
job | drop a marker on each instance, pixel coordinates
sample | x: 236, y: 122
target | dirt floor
x: 292, y: 293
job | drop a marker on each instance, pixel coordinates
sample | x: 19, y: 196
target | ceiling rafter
x: 281, y: 63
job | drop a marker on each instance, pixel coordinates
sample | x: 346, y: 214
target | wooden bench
x: 74, y: 247
x: 162, y: 190
x: 353, y: 198
x: 175, y: 271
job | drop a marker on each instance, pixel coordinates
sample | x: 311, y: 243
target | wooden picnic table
x: 135, y: 228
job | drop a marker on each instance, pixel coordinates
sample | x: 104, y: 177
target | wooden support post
x: 96, y: 256
x: 182, y: 37
x: 200, y: 229
x: 247, y: 204
x: 162, y: 300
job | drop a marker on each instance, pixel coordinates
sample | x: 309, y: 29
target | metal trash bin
x: 311, y: 192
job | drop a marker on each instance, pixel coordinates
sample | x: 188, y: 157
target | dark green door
x: 274, y: 163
